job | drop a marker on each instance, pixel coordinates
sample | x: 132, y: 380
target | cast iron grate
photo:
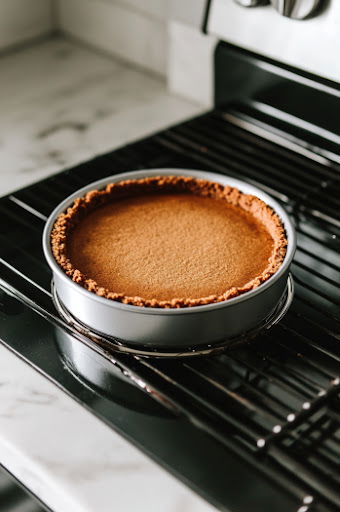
x: 275, y: 401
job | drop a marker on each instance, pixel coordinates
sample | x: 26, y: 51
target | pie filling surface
x: 168, y: 241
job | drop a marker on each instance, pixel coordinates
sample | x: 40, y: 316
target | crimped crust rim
x: 91, y: 200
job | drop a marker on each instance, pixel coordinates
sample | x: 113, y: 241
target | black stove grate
x: 275, y: 401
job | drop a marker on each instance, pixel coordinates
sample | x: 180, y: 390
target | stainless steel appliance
x: 256, y: 426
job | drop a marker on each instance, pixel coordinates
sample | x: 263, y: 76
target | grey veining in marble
x: 62, y: 104
x: 70, y: 459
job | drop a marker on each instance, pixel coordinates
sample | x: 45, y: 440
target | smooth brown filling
x: 166, y: 246
x: 169, y: 246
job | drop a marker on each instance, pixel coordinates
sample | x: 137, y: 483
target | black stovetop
x: 257, y: 427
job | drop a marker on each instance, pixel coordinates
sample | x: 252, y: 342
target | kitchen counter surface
x: 62, y: 104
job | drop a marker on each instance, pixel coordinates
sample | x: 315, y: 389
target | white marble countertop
x: 62, y: 104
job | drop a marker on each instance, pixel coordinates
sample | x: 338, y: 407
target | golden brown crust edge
x: 81, y: 206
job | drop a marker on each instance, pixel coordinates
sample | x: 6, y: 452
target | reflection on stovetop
x: 104, y: 377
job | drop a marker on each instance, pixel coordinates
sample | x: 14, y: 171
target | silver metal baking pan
x: 108, y: 345
x: 182, y: 327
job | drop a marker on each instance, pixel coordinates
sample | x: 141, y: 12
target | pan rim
x: 195, y: 173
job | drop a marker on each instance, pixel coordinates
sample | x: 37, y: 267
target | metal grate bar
x: 317, y: 482
x: 317, y: 274
x: 298, y: 383
x: 330, y: 341
x: 327, y: 209
x: 251, y: 382
x: 267, y: 414
x: 263, y: 164
x: 14, y: 214
x: 38, y: 200
x: 302, y: 359
x: 313, y: 347
x: 34, y: 257
x: 286, y: 461
x: 237, y: 167
x: 235, y: 122
x: 316, y: 291
x: 307, y: 384
x: 311, y: 445
x: 321, y: 215
x: 316, y: 308
x: 298, y: 489
x: 248, y: 428
x: 271, y: 379
x: 206, y: 162
x: 308, y: 408
x: 318, y: 258
x: 245, y: 143
x: 325, y: 243
x: 28, y: 208
x: 25, y: 277
x: 253, y: 120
